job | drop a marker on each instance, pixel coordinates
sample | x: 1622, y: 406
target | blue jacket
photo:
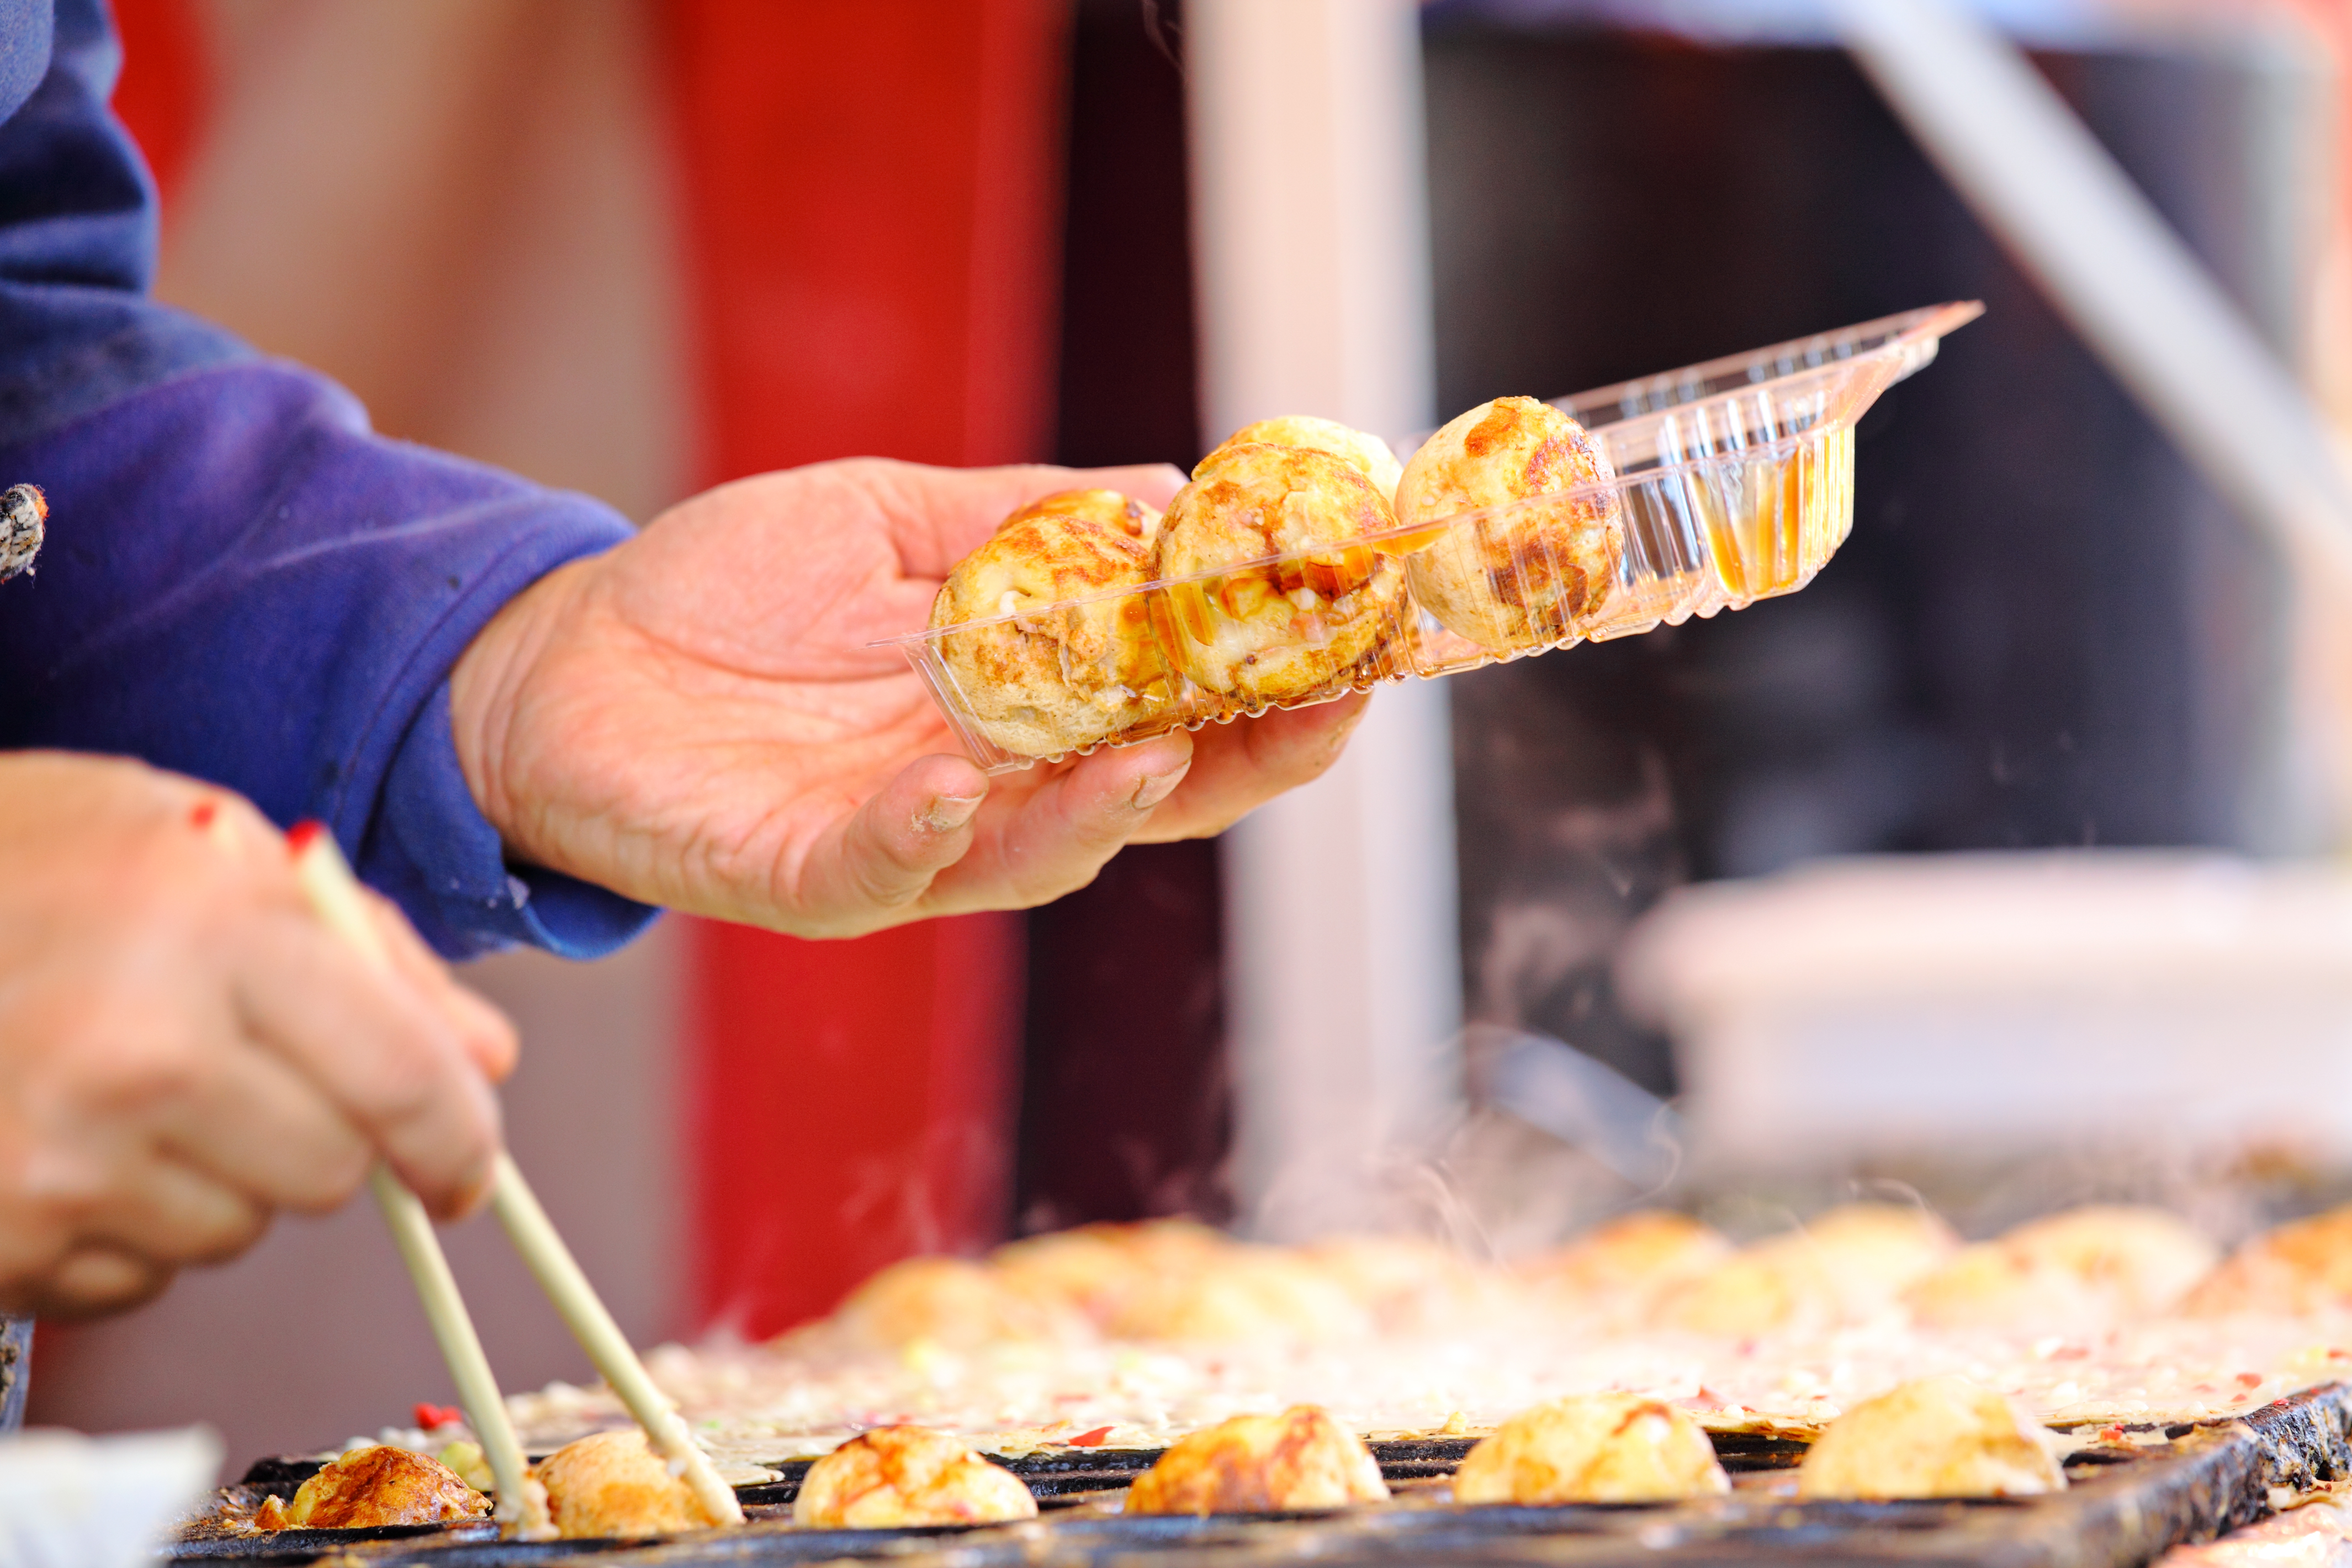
x: 241, y: 581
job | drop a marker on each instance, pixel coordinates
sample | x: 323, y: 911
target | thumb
x: 871, y: 869
x: 485, y: 1034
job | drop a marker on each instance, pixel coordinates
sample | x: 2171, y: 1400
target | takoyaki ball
x: 1630, y: 1258
x: 2305, y: 1267
x: 1300, y: 1461
x: 1747, y: 1293
x: 1987, y: 1286
x: 894, y: 1477
x: 1939, y: 1438
x: 1594, y: 1447
x: 1529, y: 576
x: 2086, y: 1267
x: 375, y: 1486
x: 954, y: 1303
x: 1247, y: 1294
x: 1051, y: 680
x: 1085, y: 1270
x: 1172, y: 1246
x: 1096, y: 1268
x: 1873, y: 1250
x: 1841, y: 1265
x: 2147, y: 1258
x: 1409, y: 1284
x: 612, y: 1484
x: 1370, y: 454
x: 1293, y: 630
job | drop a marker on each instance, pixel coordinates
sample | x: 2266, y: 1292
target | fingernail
x: 1157, y: 787
x: 948, y: 812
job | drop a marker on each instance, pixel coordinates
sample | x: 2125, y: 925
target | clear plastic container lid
x: 1733, y: 481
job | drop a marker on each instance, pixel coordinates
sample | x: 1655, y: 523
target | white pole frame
x: 1311, y: 249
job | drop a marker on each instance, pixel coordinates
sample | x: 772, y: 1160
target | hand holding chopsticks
x: 334, y: 895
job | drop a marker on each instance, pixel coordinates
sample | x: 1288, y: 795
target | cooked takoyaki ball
x: 2086, y: 1267
x: 1246, y: 1294
x: 1627, y: 1261
x: 1987, y: 1286
x: 376, y: 1486
x: 1841, y: 1265
x: 1299, y: 1461
x: 1097, y: 1268
x: 1409, y: 1284
x: 1939, y: 1438
x: 2305, y: 1267
x: 1367, y: 452
x: 2147, y: 1258
x: 1594, y: 1447
x: 612, y: 1484
x: 1046, y: 681
x: 952, y: 1301
x: 898, y: 1476
x: 1872, y: 1251
x: 1530, y: 575
x: 1291, y: 630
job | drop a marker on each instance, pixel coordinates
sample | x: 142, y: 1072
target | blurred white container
x: 71, y: 1501
x: 1984, y: 1004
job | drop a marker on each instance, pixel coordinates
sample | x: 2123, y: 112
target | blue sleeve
x: 242, y: 581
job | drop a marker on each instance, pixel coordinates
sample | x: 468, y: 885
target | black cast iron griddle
x: 2122, y: 1508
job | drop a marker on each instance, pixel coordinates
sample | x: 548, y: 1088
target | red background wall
x: 869, y: 197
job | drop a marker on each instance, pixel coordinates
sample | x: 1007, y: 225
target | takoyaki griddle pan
x: 2124, y: 1507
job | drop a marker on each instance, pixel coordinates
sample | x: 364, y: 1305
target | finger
x: 872, y: 869
x: 257, y: 1125
x: 1153, y: 484
x: 162, y: 1209
x: 1238, y: 767
x: 89, y: 1282
x: 487, y: 1035
x: 938, y: 516
x: 232, y: 824
x: 380, y: 1053
x: 1059, y: 838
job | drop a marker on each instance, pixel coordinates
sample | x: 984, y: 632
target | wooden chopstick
x: 334, y: 895
x: 608, y: 1349
x: 523, y: 1500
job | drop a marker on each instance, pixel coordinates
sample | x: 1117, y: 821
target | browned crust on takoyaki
x: 1534, y: 570
x: 1322, y: 617
x: 1040, y: 676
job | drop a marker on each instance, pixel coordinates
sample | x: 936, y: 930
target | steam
x: 1552, y: 1086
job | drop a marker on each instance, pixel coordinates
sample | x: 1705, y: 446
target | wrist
x: 486, y: 694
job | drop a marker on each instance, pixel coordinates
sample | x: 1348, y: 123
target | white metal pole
x: 1311, y: 249
x: 2108, y: 260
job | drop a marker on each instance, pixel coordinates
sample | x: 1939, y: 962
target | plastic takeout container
x: 1733, y: 482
